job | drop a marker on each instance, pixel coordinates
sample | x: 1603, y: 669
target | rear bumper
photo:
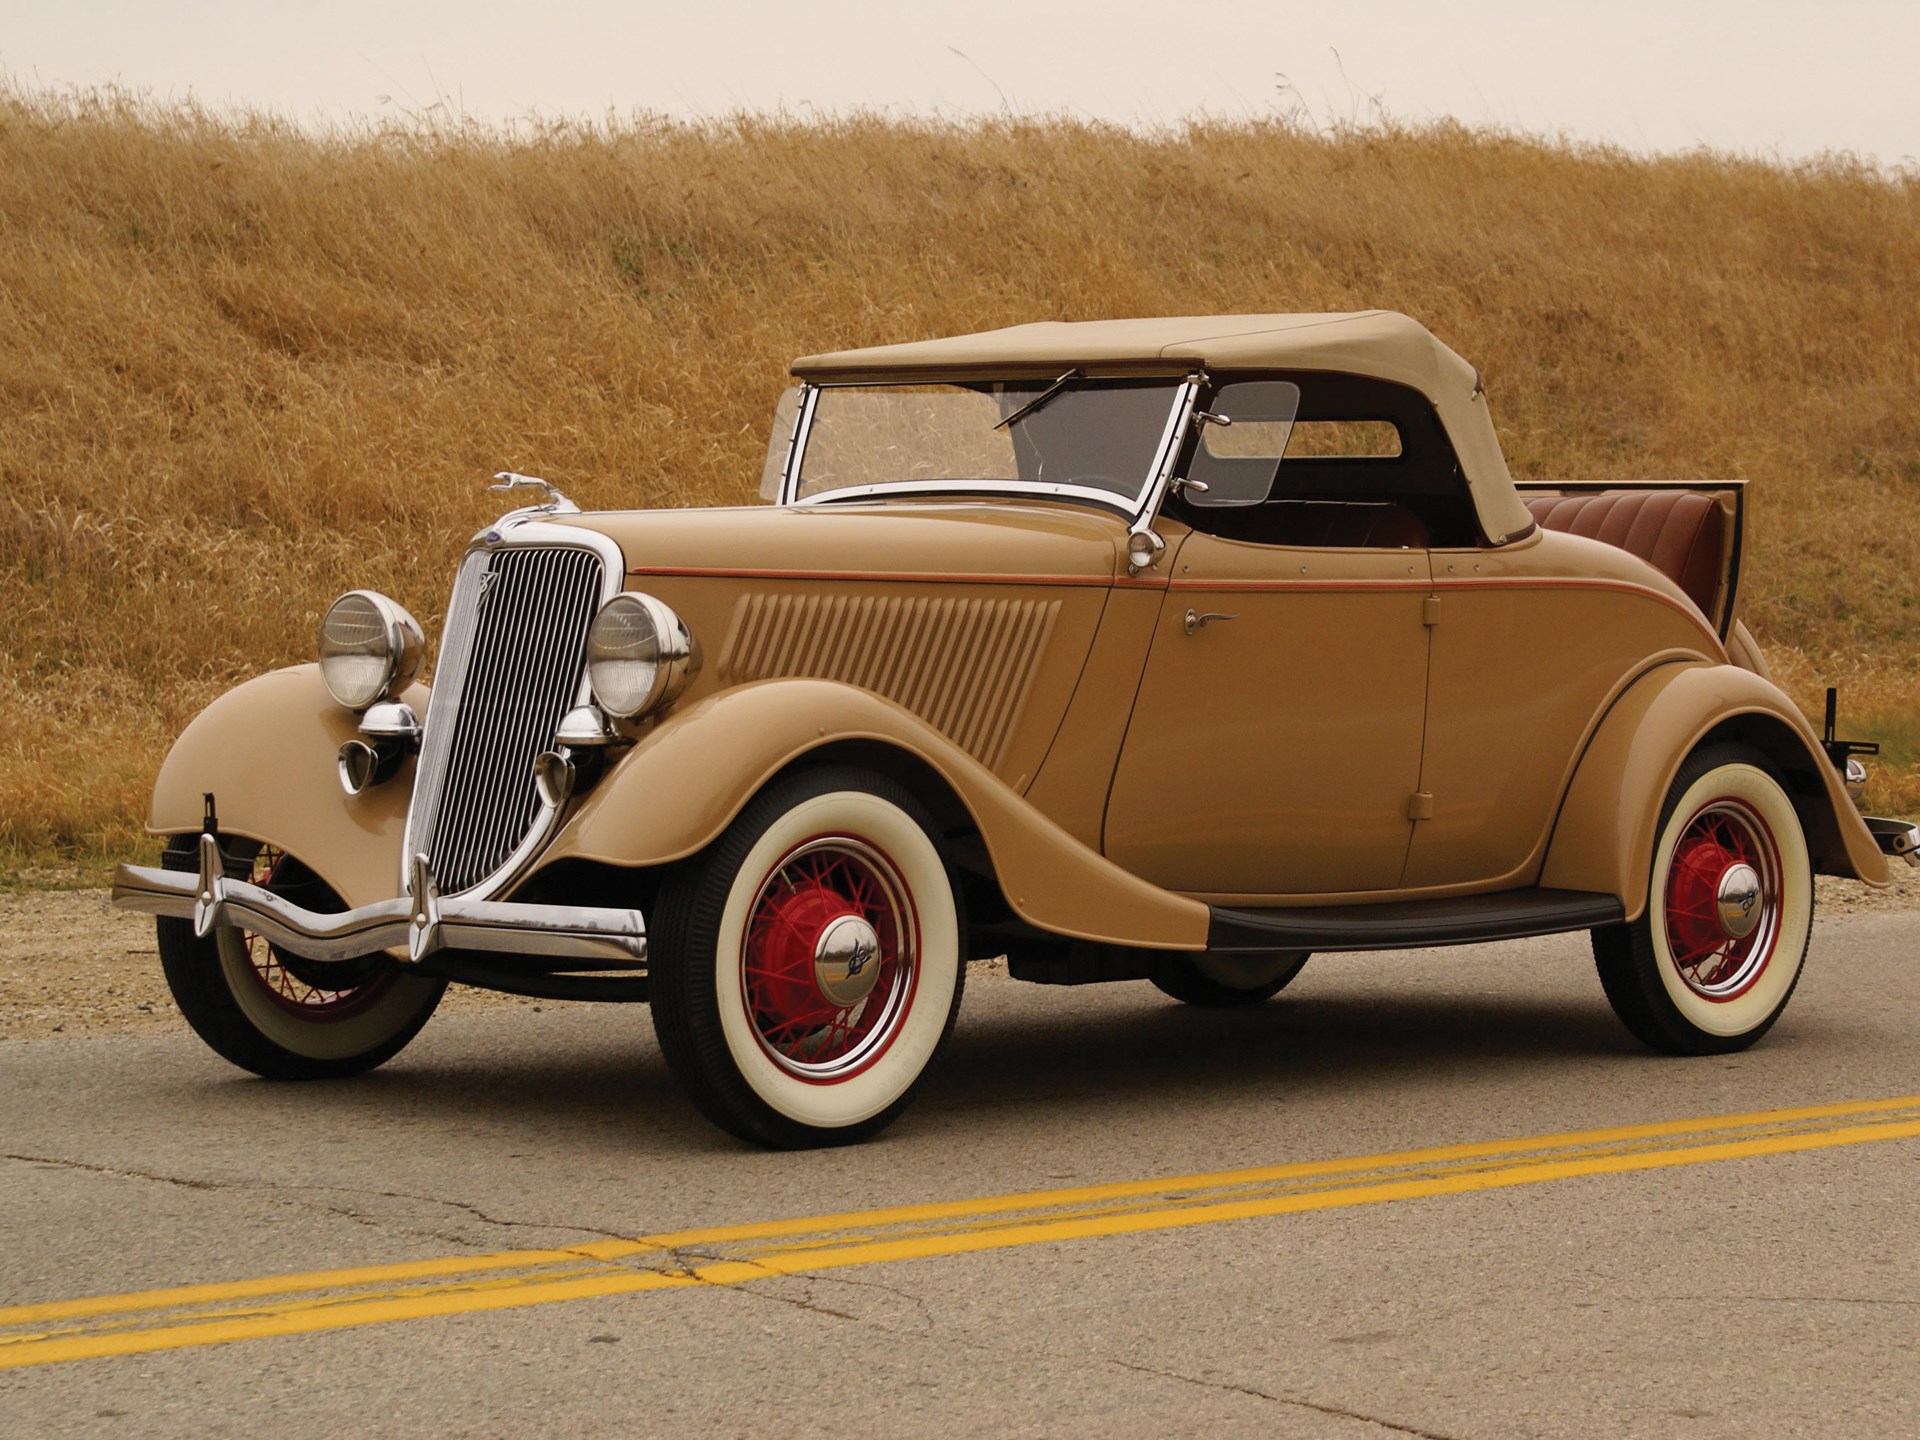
x: 1898, y: 838
x: 420, y: 923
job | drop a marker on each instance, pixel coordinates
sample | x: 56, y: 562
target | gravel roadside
x: 70, y: 964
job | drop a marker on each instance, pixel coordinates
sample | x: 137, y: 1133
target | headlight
x: 640, y: 656
x: 369, y: 648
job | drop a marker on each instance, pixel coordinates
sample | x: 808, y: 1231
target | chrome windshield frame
x: 1139, y: 508
x: 797, y: 443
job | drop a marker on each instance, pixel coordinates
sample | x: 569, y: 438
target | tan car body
x: 1510, y: 714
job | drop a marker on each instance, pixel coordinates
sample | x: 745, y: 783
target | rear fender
x: 682, y: 784
x: 1603, y: 838
x: 268, y: 752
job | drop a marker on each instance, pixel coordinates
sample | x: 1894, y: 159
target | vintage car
x: 1167, y: 650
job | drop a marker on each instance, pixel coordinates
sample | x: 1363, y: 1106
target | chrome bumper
x: 422, y: 922
x: 1898, y: 838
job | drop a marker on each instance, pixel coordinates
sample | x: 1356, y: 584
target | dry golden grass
x: 243, y: 367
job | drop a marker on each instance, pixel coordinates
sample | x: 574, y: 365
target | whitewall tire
x: 1714, y: 958
x: 808, y: 965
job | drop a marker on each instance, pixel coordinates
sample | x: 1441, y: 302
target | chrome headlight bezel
x: 627, y: 682
x: 392, y: 639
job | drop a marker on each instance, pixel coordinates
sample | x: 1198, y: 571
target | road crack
x: 1299, y: 1402
x: 688, y: 1264
x: 119, y: 1174
x: 293, y: 1189
x: 466, y: 1207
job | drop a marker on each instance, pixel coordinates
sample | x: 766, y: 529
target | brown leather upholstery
x: 1679, y: 533
x: 1343, y: 524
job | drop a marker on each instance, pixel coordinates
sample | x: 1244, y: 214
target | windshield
x: 1099, y: 437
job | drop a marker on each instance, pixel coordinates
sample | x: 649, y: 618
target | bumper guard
x: 421, y: 921
x: 1899, y: 839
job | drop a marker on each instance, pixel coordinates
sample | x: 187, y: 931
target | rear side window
x: 1355, y: 439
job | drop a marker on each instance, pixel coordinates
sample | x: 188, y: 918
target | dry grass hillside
x: 243, y: 367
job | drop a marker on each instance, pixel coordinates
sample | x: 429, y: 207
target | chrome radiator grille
x: 511, y: 658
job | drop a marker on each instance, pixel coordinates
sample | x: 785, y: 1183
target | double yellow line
x: 192, y: 1315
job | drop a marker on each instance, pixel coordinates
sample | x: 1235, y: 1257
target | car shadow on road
x: 601, y: 1082
x: 1304, y: 1045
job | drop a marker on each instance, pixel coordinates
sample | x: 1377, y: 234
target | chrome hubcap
x: 845, y: 960
x: 1739, y: 902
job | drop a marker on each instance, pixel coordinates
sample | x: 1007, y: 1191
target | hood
x: 902, y: 541
x: 977, y: 616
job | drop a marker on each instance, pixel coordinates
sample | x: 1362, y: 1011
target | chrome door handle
x: 1195, y: 621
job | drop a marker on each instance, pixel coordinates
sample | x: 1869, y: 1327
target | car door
x: 1274, y: 746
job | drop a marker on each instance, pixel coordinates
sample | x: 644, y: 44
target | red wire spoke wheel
x: 321, y: 993
x: 1712, y: 960
x: 828, y: 967
x: 1723, y: 900
x: 807, y: 965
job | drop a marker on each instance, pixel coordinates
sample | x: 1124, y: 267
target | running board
x: 1412, y: 924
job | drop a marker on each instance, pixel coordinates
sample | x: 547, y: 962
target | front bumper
x: 421, y: 922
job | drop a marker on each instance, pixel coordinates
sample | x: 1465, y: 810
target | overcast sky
x: 1777, y: 79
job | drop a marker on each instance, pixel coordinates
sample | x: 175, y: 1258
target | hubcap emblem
x: 1739, y: 901
x: 843, y: 960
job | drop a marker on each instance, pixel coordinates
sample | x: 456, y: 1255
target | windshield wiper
x: 1042, y: 398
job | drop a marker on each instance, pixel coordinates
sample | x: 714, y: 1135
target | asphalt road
x: 1685, y: 1281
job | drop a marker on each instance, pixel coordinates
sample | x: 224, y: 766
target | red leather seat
x: 1680, y: 533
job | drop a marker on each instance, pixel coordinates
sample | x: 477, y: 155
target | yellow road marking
x: 192, y: 1315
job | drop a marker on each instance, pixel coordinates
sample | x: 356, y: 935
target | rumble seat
x: 1679, y: 533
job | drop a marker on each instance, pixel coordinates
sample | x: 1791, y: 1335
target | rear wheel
x: 1715, y: 956
x: 277, y: 1014
x: 807, y: 964
x: 1225, y: 981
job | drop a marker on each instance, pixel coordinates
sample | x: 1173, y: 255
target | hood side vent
x: 962, y: 665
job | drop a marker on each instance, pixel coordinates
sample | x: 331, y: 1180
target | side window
x: 1243, y: 434
x: 1357, y: 463
x: 1352, y: 439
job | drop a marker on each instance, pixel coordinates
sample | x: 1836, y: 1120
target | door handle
x: 1195, y: 621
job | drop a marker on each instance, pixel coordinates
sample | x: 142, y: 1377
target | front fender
x: 268, y: 751
x: 681, y: 785
x: 1603, y: 839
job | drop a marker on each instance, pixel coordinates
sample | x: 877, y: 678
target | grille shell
x: 512, y: 662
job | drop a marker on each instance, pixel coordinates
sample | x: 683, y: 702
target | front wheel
x: 276, y: 1014
x: 1713, y: 959
x: 807, y: 965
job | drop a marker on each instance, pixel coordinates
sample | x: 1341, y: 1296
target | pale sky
x: 1774, y: 79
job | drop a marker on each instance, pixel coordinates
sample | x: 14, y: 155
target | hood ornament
x: 508, y: 480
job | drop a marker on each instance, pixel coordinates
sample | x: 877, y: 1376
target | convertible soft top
x: 1380, y: 343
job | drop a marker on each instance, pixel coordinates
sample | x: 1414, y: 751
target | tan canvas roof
x: 1380, y: 343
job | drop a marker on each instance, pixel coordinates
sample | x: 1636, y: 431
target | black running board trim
x: 1412, y: 924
